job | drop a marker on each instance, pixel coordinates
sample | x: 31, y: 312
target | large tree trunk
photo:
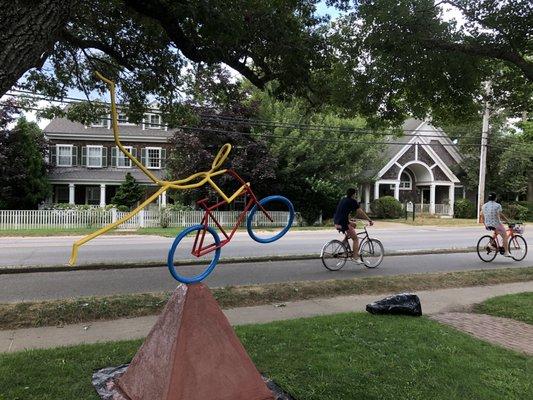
x: 28, y: 31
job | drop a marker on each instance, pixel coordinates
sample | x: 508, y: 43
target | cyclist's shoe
x: 507, y: 254
x: 358, y: 260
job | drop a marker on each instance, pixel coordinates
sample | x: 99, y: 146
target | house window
x: 122, y: 119
x: 153, y: 121
x: 64, y: 155
x: 153, y: 157
x: 92, y: 195
x: 94, y: 156
x: 405, y: 181
x: 122, y: 160
x: 102, y: 122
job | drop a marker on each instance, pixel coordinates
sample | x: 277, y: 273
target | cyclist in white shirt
x: 491, y: 215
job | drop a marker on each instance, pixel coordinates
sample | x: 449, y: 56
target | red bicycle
x: 274, y: 211
x: 488, y: 246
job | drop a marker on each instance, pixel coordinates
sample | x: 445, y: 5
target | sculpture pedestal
x: 192, y: 353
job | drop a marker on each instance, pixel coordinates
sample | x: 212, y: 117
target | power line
x: 270, y: 135
x: 263, y: 122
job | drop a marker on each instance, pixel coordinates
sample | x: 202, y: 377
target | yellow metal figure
x: 191, y: 182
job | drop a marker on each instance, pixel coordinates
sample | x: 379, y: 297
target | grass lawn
x: 516, y: 306
x: 432, y: 221
x: 166, y: 232
x: 61, y: 312
x: 341, y: 357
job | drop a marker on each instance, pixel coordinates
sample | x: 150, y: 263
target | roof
x: 64, y: 127
x: 83, y: 175
x: 411, y: 127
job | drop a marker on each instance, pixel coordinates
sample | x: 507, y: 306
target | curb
x: 235, y: 260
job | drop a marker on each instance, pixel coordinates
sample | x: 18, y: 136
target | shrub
x: 516, y: 212
x: 386, y: 207
x: 123, y: 208
x: 464, y: 208
x: 529, y: 206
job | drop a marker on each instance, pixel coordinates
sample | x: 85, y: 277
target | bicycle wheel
x: 517, y: 247
x: 487, y: 249
x: 371, y: 253
x: 187, y: 238
x: 334, y: 255
x: 281, y: 213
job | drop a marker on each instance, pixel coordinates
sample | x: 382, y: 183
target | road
x: 57, y: 285
x: 139, y: 248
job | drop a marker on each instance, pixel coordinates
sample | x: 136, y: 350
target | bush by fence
x: 386, y: 207
x: 464, y: 208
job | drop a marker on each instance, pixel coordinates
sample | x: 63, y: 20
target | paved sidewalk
x: 433, y: 302
x: 505, y: 332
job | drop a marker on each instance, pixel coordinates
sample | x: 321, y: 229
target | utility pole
x: 483, y: 155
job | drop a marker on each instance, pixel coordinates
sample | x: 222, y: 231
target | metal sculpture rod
x: 187, y: 183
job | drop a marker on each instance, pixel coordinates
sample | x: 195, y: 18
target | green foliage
x: 529, y: 206
x: 23, y: 172
x: 515, y: 306
x: 515, y: 212
x: 464, y: 208
x: 317, y: 163
x: 129, y: 193
x: 123, y: 208
x: 386, y: 207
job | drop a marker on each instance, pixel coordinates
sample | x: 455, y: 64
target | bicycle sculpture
x: 335, y: 253
x: 488, y: 246
x: 200, y: 248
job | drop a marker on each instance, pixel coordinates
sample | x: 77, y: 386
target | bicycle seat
x: 490, y: 228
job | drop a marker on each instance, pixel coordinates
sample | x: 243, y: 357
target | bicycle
x: 335, y: 253
x: 202, y: 246
x: 489, y: 246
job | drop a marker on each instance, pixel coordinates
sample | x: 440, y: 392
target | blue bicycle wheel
x: 212, y: 262
x: 280, y: 209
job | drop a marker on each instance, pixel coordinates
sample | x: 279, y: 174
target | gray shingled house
x: 87, y: 165
x: 418, y: 168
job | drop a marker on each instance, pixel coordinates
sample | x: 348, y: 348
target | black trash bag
x: 403, y: 303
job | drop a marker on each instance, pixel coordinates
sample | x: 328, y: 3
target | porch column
x: 71, y: 192
x: 451, y: 196
x: 376, y: 190
x: 367, y: 197
x: 102, y: 195
x: 397, y: 191
x: 164, y: 199
x: 432, y: 199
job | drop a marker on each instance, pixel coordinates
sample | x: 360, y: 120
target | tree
x: 390, y: 58
x: 147, y: 46
x: 128, y: 193
x: 23, y: 171
x: 194, y: 149
x: 319, y: 154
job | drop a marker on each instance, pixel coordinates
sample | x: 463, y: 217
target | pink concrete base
x: 192, y: 353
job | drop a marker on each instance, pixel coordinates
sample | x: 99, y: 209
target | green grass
x: 434, y: 221
x: 515, y: 306
x: 166, y: 232
x: 346, y: 356
x: 62, y: 312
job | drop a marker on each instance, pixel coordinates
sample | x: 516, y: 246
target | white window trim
x: 120, y: 153
x: 57, y: 154
x: 123, y: 123
x: 102, y: 124
x: 160, y: 149
x: 101, y: 155
x: 410, y: 187
x: 146, y: 123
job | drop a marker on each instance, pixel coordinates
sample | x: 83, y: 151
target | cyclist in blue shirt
x: 342, y: 221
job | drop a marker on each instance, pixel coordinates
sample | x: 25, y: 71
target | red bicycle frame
x: 198, y: 249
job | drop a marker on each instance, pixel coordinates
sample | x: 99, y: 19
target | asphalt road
x: 138, y: 248
x: 56, y: 285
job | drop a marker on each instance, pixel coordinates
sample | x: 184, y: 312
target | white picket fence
x: 95, y: 218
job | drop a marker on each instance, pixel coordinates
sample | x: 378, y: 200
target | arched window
x: 406, y: 182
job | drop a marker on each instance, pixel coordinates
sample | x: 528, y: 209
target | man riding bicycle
x: 342, y: 221
x: 491, y: 212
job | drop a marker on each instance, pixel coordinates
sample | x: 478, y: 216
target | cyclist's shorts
x: 345, y: 228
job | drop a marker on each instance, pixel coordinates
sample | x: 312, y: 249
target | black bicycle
x: 335, y: 253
